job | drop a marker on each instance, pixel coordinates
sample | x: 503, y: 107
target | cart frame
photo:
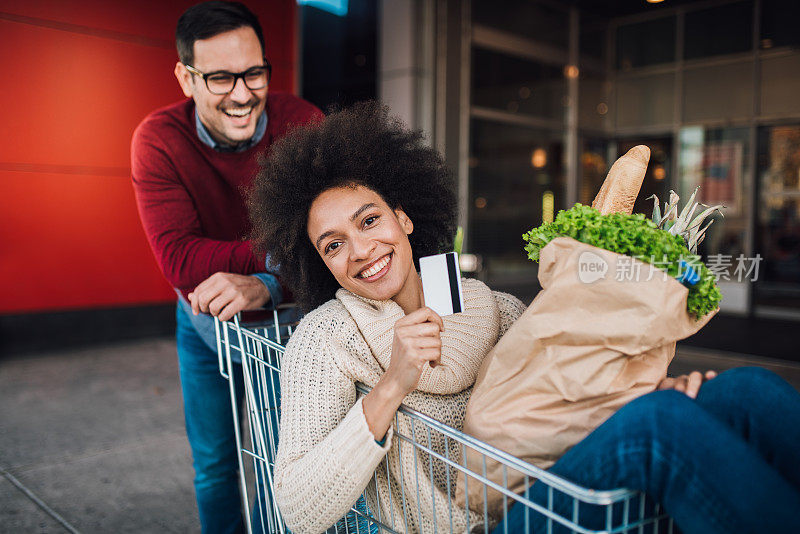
x: 260, y: 348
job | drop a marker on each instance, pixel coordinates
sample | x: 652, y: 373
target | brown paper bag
x: 601, y: 333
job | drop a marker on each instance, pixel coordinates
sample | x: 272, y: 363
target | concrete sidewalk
x: 98, y: 437
x: 93, y: 440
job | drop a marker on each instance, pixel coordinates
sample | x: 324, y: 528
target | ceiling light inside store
x: 539, y: 158
x: 571, y: 71
x: 654, y: 1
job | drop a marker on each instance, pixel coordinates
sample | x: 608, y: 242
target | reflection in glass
x: 516, y: 181
x: 517, y: 85
x: 716, y: 161
x: 778, y: 220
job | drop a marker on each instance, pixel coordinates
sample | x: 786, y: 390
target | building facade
x: 532, y: 101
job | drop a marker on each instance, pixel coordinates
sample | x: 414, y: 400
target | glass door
x: 777, y: 285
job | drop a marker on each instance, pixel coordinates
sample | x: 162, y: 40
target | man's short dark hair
x: 208, y: 19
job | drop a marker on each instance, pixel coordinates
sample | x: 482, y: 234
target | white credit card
x: 441, y: 283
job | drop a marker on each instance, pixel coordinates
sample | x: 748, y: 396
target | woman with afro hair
x: 345, y: 209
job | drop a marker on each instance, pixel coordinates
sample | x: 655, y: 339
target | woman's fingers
x: 680, y: 384
x: 689, y: 384
x: 419, y: 330
x: 430, y: 342
x: 432, y: 356
x: 417, y: 341
x: 693, y: 383
x: 667, y: 383
x: 422, y: 315
x: 425, y: 349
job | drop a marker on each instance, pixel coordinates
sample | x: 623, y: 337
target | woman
x: 346, y: 208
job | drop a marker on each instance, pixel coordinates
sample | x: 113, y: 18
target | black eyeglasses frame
x: 236, y: 76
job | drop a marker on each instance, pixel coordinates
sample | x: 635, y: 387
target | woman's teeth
x: 380, y: 264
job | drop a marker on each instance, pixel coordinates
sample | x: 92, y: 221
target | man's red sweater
x: 190, y: 196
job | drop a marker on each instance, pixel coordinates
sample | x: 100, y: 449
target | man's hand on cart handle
x: 689, y: 384
x: 224, y: 295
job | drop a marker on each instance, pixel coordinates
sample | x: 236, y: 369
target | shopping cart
x: 435, y: 447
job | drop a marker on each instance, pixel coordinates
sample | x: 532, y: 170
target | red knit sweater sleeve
x: 171, y: 223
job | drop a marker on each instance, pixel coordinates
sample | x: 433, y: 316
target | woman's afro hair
x: 360, y: 145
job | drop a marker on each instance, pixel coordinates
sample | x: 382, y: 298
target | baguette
x: 621, y: 187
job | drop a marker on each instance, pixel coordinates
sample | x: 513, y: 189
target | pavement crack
x: 38, y: 501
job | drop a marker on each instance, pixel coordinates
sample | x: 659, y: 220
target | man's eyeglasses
x: 222, y: 82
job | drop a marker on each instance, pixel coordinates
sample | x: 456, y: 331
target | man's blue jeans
x: 726, y: 462
x: 209, y: 427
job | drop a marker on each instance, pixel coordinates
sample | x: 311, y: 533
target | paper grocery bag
x: 601, y: 333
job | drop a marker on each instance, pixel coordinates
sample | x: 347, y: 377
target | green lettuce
x: 631, y: 235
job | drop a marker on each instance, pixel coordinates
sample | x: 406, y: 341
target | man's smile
x: 238, y: 112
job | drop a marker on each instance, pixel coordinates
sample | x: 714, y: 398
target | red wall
x: 78, y: 76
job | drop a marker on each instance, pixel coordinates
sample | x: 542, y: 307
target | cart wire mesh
x: 438, y: 451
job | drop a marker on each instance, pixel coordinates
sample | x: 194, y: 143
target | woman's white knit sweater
x: 327, y: 455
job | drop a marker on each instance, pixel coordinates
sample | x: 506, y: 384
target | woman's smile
x: 376, y: 269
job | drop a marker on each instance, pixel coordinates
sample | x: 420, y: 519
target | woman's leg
x: 665, y: 444
x: 764, y: 410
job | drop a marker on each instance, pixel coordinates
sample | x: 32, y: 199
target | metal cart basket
x: 435, y: 447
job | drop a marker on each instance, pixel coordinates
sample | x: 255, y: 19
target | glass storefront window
x: 716, y: 161
x: 718, y: 92
x: 593, y: 35
x: 516, y: 182
x: 517, y: 85
x: 779, y: 23
x: 645, y: 100
x: 339, y: 54
x: 726, y: 29
x: 594, y: 168
x: 536, y: 21
x: 780, y: 84
x: 778, y: 219
x: 593, y: 109
x: 516, y: 173
x: 646, y: 43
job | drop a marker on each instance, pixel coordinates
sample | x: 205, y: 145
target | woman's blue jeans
x: 726, y: 462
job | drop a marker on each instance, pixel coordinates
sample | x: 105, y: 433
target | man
x: 190, y: 161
